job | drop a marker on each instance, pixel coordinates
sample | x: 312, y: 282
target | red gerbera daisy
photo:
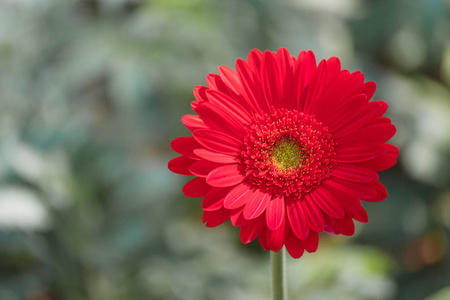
x: 286, y: 149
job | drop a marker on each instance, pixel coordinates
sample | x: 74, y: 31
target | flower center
x: 287, y: 153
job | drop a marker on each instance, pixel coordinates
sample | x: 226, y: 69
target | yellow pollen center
x: 286, y: 155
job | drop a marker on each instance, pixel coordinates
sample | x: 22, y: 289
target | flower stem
x: 278, y: 275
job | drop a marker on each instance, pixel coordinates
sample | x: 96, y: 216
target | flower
x: 285, y: 149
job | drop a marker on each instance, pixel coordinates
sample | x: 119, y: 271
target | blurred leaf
x: 442, y: 294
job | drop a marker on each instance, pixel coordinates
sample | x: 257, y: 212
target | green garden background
x: 92, y: 93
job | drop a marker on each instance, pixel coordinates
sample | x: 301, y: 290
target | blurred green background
x: 92, y: 92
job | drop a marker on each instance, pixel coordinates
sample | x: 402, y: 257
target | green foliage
x: 442, y: 294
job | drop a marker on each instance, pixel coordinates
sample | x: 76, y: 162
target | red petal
x: 358, y: 152
x: 230, y: 105
x: 354, y: 84
x: 312, y: 242
x: 298, y: 219
x: 315, y: 216
x: 254, y: 59
x: 276, y: 238
x: 215, y: 82
x: 317, y: 84
x: 376, y: 133
x: 181, y: 165
x: 354, y: 173
x: 237, y: 218
x: 334, y: 68
x: 275, y: 212
x: 330, y: 225
x: 346, y: 226
x: 217, y: 141
x: 359, y: 189
x: 192, y: 122
x: 334, y: 94
x: 185, y: 146
x: 251, y: 230
x: 214, y: 199
x: 252, y: 86
x: 215, y: 218
x: 301, y: 55
x: 262, y: 237
x: 238, y: 196
x: 305, y: 69
x: 200, y: 94
x: 271, y: 79
x: 228, y: 175
x: 285, y: 64
x: 360, y: 215
x: 368, y: 88
x: 338, y: 114
x: 256, y: 205
x: 294, y: 246
x: 215, y: 157
x: 361, y: 118
x: 202, y: 168
x: 381, y: 163
x: 195, y: 104
x: 217, y: 119
x: 379, y: 120
x: 381, y: 192
x: 347, y: 198
x: 327, y: 202
x: 197, y: 187
x: 392, y: 150
x: 231, y: 79
x: 381, y: 107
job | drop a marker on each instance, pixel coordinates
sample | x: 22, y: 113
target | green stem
x: 278, y: 275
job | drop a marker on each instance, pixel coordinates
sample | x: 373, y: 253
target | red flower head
x: 286, y: 149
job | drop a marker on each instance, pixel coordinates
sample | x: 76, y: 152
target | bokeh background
x: 92, y: 92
